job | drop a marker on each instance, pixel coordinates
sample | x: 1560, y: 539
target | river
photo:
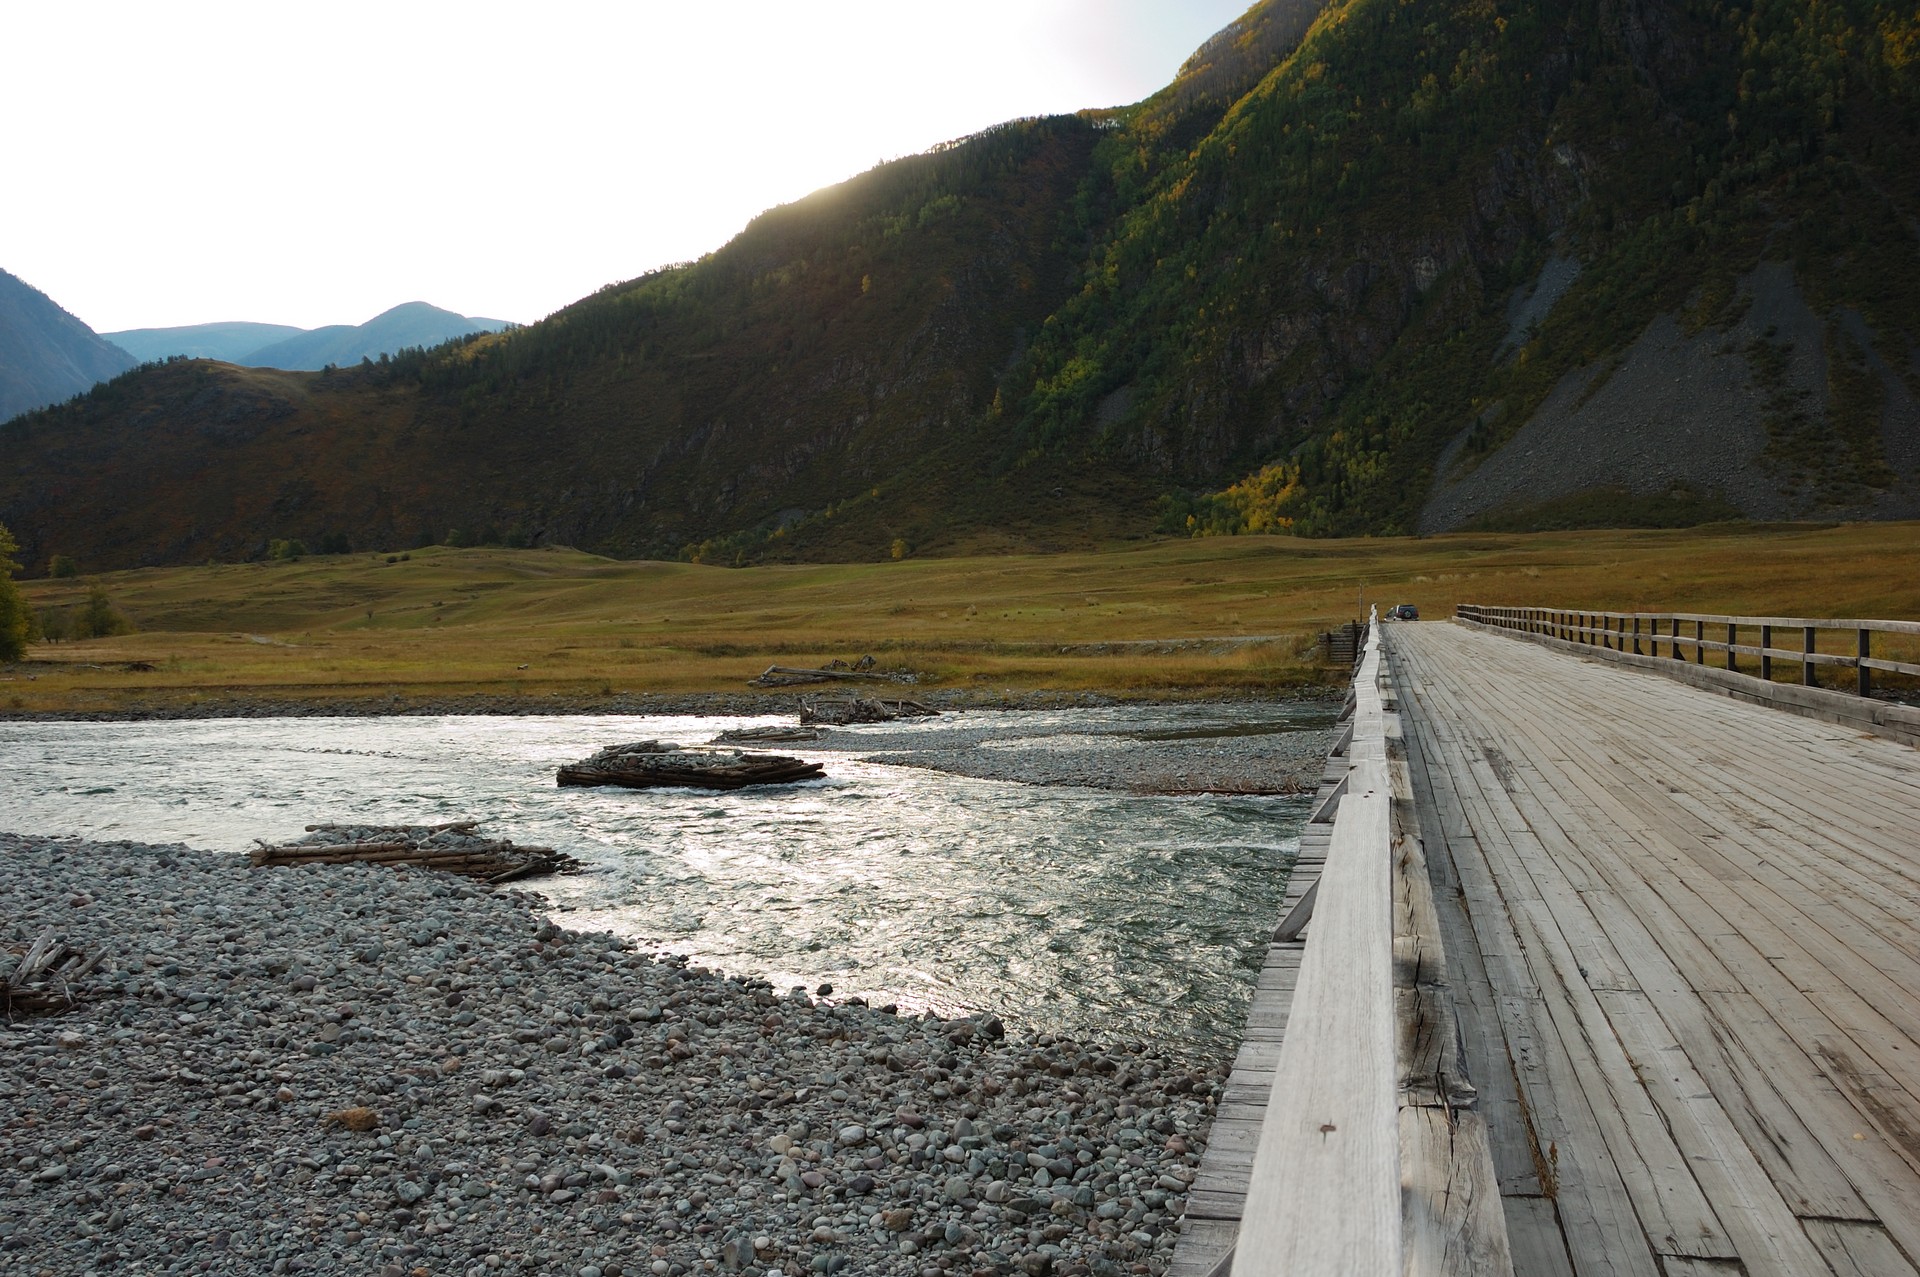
x: 1057, y: 907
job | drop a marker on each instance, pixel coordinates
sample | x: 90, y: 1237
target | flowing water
x: 1055, y: 907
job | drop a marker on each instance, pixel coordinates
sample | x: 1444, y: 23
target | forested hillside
x: 1385, y: 266
x: 1328, y: 282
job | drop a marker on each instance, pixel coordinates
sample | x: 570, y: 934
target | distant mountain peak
x: 46, y: 354
x: 412, y: 323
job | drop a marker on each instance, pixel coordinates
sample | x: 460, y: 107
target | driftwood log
x: 768, y: 736
x: 453, y: 847
x: 861, y: 709
x: 42, y: 981
x: 652, y: 764
x: 832, y: 672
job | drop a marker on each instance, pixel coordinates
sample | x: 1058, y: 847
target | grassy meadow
x: 449, y: 623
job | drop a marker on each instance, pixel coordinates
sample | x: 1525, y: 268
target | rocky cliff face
x: 1743, y: 418
x: 46, y: 355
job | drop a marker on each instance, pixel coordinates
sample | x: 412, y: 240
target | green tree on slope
x: 14, y: 616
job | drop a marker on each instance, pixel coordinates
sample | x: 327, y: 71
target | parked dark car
x: 1405, y: 612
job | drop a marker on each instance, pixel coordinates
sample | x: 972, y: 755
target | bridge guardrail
x: 1373, y: 1159
x: 1325, y: 1193
x: 1627, y: 631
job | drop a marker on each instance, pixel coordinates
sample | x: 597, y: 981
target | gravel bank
x: 534, y: 1100
x: 221, y: 704
x: 1234, y: 761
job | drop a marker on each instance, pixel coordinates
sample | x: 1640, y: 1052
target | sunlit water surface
x: 1054, y: 907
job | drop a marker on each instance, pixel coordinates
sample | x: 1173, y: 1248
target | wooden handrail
x: 1630, y: 631
x: 1879, y: 625
x: 1325, y: 1193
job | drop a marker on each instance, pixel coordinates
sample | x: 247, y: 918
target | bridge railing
x: 1685, y: 637
x: 1325, y: 1192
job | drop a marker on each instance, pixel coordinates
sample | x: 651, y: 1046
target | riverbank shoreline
x: 352, y: 1069
x: 640, y: 704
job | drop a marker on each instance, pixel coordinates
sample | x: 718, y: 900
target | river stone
x: 700, y: 1139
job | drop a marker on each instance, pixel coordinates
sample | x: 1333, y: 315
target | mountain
x: 283, y: 346
x: 1377, y: 266
x: 229, y: 342
x: 406, y: 325
x: 46, y: 355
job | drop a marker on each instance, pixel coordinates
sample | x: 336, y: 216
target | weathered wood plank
x: 1538, y: 1246
x: 1854, y: 1249
x: 1326, y: 1175
x: 1455, y: 1224
x: 1218, y: 1196
x: 1202, y: 1243
x: 1763, y: 1229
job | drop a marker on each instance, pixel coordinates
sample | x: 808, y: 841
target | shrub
x: 62, y: 566
x: 15, y: 620
x: 98, y: 618
x: 292, y: 548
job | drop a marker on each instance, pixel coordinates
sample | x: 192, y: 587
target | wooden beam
x: 1325, y: 1191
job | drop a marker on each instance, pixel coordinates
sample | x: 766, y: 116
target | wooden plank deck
x: 1683, y: 939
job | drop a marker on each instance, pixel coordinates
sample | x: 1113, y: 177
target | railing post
x: 1766, y: 647
x: 1636, y: 634
x: 1807, y: 678
x: 1676, y: 641
x: 1699, y: 643
x: 1732, y: 638
x: 1863, y: 674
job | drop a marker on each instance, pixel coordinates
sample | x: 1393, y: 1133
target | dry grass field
x: 448, y: 623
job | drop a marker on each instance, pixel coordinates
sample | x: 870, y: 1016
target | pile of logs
x: 768, y: 736
x: 831, y: 672
x: 652, y: 764
x: 454, y: 847
x: 861, y: 709
x: 42, y: 981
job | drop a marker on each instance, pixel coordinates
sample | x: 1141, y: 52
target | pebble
x: 269, y: 1075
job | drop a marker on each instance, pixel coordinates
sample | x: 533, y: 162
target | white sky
x: 311, y: 164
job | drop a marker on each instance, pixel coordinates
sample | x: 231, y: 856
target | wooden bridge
x: 1612, y: 967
